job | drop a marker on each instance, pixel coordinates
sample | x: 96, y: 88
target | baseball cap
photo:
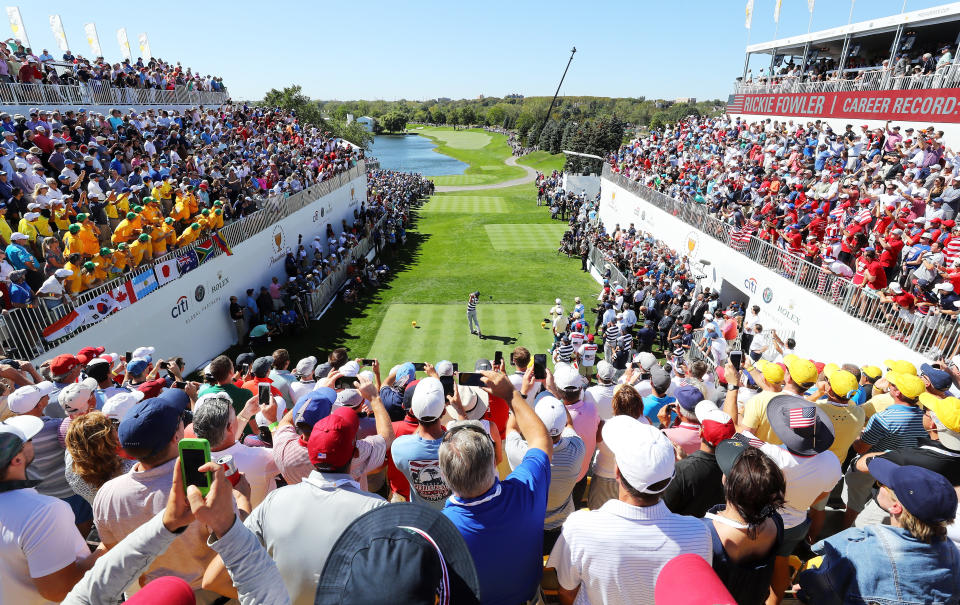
x: 644, y: 455
x: 843, y: 383
x: 947, y: 411
x: 939, y: 379
x: 333, y: 438
x: 350, y: 369
x: 404, y: 373
x: 61, y: 364
x: 444, y: 368
x: 909, y: 385
x: 415, y: 553
x: 145, y: 353
x: 646, y: 360
x: 150, y: 424
x: 715, y: 424
x: 926, y: 495
x: 428, y: 401
x: 688, y: 397
x: 871, y: 372
x: 350, y: 398
x: 660, y: 380
x: 73, y: 396
x: 137, y: 365
x: 117, y: 406
x: 688, y: 579
x: 900, y: 366
x: 482, y: 365
x: 772, y: 372
x: 313, y: 406
x: 261, y: 366
x: 305, y: 366
x: 803, y: 428
x: 802, y: 371
x: 553, y: 414
x: 475, y: 402
x: 605, y: 370
x: 566, y: 377
x: 27, y: 397
x: 63, y: 273
x: 14, y: 432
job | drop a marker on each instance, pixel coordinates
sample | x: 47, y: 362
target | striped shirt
x: 595, y: 547
x: 564, y: 353
x: 564, y: 469
x: 625, y: 341
x: 611, y: 335
x: 896, y: 427
x: 471, y: 304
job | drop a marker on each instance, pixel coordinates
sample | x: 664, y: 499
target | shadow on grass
x: 507, y: 340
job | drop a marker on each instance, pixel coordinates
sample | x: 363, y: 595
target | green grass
x: 448, y: 254
x: 485, y: 152
x: 512, y: 237
x: 543, y: 161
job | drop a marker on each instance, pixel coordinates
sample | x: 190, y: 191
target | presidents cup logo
x: 767, y: 295
x: 278, y: 238
x: 693, y: 242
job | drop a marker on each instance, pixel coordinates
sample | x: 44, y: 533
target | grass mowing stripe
x: 524, y: 237
x: 466, y: 204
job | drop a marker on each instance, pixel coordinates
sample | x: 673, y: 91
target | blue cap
x: 21, y: 149
x: 688, y: 397
x: 405, y: 373
x: 68, y: 161
x: 125, y: 190
x: 137, y: 365
x: 937, y: 199
x: 819, y: 211
x: 939, y: 379
x: 314, y: 406
x: 151, y: 424
x: 927, y: 495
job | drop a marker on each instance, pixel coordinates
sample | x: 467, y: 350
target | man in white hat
x: 636, y: 531
x: 569, y: 389
x: 305, y: 380
x: 52, y: 291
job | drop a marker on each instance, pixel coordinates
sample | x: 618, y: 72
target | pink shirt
x: 686, y: 435
x: 585, y: 422
x: 294, y: 462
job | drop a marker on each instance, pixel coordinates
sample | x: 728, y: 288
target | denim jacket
x: 882, y: 565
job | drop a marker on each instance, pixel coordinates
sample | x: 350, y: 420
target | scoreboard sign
x: 933, y: 105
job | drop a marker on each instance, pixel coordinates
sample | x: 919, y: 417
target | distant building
x: 367, y: 122
x: 685, y: 100
x: 443, y: 99
x: 514, y: 96
x: 349, y: 119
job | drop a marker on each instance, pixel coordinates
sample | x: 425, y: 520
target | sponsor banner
x: 934, y: 105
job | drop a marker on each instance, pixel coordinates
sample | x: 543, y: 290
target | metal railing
x: 21, y: 329
x: 878, y: 79
x: 933, y: 333
x: 101, y: 93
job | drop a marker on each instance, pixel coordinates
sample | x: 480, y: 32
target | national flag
x: 754, y: 442
x: 187, y: 262
x: 97, y: 309
x: 776, y: 11
x: 166, y: 271
x: 144, y: 284
x: 222, y: 244
x: 63, y: 326
x: 803, y: 417
x: 125, y: 295
x: 203, y: 249
x: 749, y: 13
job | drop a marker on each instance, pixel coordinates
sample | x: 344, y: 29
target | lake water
x: 413, y: 154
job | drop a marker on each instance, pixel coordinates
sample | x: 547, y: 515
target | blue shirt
x: 419, y: 461
x: 20, y: 293
x: 896, y: 427
x: 503, y: 530
x: 652, y: 405
x: 20, y: 256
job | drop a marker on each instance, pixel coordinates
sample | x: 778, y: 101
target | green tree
x: 468, y: 115
x: 496, y: 115
x: 308, y: 112
x: 395, y: 121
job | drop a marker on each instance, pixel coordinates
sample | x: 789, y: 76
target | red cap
x: 935, y: 221
x: 170, y: 590
x: 714, y: 432
x: 819, y: 365
x: 87, y: 353
x: 949, y: 222
x: 720, y: 376
x: 152, y: 388
x: 687, y: 326
x: 689, y: 580
x: 62, y: 364
x: 203, y: 185
x: 589, y: 337
x: 333, y: 438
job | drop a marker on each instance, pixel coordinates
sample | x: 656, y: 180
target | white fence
x: 101, y: 93
x: 879, y: 79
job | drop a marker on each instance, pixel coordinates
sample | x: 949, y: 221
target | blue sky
x: 426, y: 48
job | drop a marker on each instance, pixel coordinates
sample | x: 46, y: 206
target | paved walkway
x: 511, y: 161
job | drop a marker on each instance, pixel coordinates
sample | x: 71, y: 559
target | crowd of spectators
x: 86, y: 197
x: 876, y: 207
x: 22, y: 65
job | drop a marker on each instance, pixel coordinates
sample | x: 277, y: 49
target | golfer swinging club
x: 472, y: 312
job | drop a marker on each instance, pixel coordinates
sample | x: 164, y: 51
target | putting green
x: 442, y: 333
x: 462, y: 139
x: 525, y: 237
x: 468, y: 204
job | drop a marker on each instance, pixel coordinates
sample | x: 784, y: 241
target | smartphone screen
x: 456, y: 367
x: 447, y: 382
x: 736, y: 358
x: 471, y: 379
x: 497, y: 358
x: 539, y: 366
x: 128, y: 356
x: 191, y: 461
x: 419, y: 366
x: 367, y: 362
x: 345, y: 382
x: 243, y: 369
x: 180, y: 384
x: 264, y: 393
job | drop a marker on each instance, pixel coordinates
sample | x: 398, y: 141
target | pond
x: 413, y: 153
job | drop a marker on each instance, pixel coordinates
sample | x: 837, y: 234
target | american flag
x: 735, y: 103
x: 802, y: 417
x: 740, y: 238
x: 864, y: 216
x: 951, y: 251
x: 754, y: 442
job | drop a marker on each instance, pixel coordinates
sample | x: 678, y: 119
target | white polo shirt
x: 596, y: 548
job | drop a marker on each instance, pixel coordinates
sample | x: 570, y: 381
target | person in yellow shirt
x: 27, y: 226
x: 169, y: 233
x: 110, y: 209
x: 802, y: 375
x: 5, y: 230
x: 204, y: 220
x: 163, y: 191
x: 125, y: 230
x: 42, y: 225
x: 88, y: 275
x: 89, y: 235
x: 158, y: 239
x: 181, y: 213
x: 61, y: 218
x: 71, y: 241
x: 139, y: 249
x: 151, y: 211
x: 121, y: 258
x: 191, y: 198
x: 102, y: 262
x: 189, y: 235
x: 74, y: 283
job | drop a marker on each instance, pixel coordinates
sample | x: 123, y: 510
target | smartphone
x: 345, y: 382
x: 266, y: 436
x: 244, y: 368
x: 263, y: 392
x: 447, y: 382
x: 162, y: 365
x: 456, y: 367
x: 512, y: 362
x: 194, y: 453
x: 497, y: 358
x: 367, y: 361
x: 128, y: 356
x: 470, y: 379
x: 419, y: 366
x: 539, y: 366
x: 736, y: 358
x: 180, y: 384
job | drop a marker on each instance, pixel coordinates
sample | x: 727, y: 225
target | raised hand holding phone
x: 195, y: 453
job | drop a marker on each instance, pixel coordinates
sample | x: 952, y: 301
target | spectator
x: 416, y: 455
x: 305, y: 381
x: 603, y: 486
x: 569, y: 389
x: 92, y: 457
x: 698, y: 483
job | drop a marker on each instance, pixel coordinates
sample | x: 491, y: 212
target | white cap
x: 644, y: 455
x: 31, y: 216
x: 428, y: 400
x: 444, y: 368
x: 305, y: 366
x: 895, y: 287
x: 351, y: 368
x: 705, y: 407
x: 945, y: 286
x: 474, y: 400
x: 553, y: 414
x: 366, y: 376
x: 646, y: 360
x: 27, y: 397
x: 63, y: 273
x: 144, y: 352
x: 24, y: 427
x: 566, y: 377
x: 708, y: 316
x: 558, y: 301
x: 73, y: 397
x: 117, y: 406
x: 605, y: 371
x: 18, y: 236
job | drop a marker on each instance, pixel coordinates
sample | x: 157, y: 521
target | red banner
x: 935, y: 105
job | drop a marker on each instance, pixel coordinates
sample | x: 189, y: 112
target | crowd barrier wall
x: 590, y: 183
x: 189, y: 316
x: 822, y: 331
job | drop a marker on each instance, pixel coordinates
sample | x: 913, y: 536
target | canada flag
x: 166, y: 271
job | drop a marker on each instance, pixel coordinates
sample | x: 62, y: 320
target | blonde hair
x: 93, y: 445
x: 921, y: 530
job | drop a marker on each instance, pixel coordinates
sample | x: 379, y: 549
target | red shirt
x: 906, y: 300
x: 497, y: 412
x: 876, y: 270
x: 398, y: 481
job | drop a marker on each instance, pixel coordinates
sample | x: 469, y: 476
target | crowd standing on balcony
x: 85, y: 197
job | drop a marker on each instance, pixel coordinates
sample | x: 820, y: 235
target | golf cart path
x: 511, y: 161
